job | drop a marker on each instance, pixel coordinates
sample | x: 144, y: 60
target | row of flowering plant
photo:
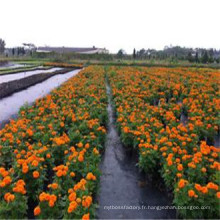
x: 50, y: 154
x: 64, y: 65
x: 171, y: 116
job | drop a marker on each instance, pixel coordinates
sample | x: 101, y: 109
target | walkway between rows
x: 122, y: 184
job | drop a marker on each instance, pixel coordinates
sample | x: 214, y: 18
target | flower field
x: 150, y: 104
x: 50, y: 155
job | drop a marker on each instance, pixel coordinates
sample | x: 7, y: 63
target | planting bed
x: 179, y: 152
x: 49, y: 155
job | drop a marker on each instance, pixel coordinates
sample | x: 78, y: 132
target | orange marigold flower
x: 9, y: 197
x: 72, y: 206
x: 51, y: 203
x: 59, y: 173
x: 34, y: 163
x: 54, y: 186
x: 81, y: 158
x: 212, y: 185
x: 204, y: 190
x: 87, y: 146
x: 198, y: 187
x: 80, y: 145
x: 170, y: 163
x: 7, y: 180
x: 72, y: 174
x: 36, y: 174
x: 86, y: 217
x: 72, y: 196
x: 203, y: 169
x: 25, y: 168
x: 95, y: 151
x: 87, y: 201
x: 37, y: 211
x: 90, y: 176
x: 191, y: 193
x: 179, y: 175
x: 182, y: 183
x: 180, y: 167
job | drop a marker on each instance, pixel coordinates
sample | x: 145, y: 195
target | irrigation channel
x: 10, y: 105
x: 124, y: 191
x: 20, y: 75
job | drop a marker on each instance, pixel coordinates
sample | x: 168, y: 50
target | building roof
x: 66, y: 49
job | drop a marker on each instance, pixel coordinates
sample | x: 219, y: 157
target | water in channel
x: 10, y: 105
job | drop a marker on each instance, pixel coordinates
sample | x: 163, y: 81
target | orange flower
x: 2, y: 184
x: 204, y: 190
x: 51, y: 203
x: 180, y: 167
x: 95, y: 151
x: 86, y: 217
x: 170, y: 163
x: 203, y: 169
x: 80, y: 145
x: 9, y: 197
x: 198, y: 187
x: 87, y: 146
x: 182, y: 183
x: 37, y: 211
x: 179, y: 175
x: 25, y: 168
x: 30, y: 132
x: 72, y: 206
x: 72, y: 196
x: 90, y: 176
x: 36, y: 174
x: 78, y: 200
x: 126, y: 129
x: 7, y: 180
x: 59, y: 173
x: 218, y: 195
x: 53, y: 186
x: 34, y: 163
x: 87, y: 201
x: 191, y: 193
x: 81, y: 158
x: 211, y: 185
x: 72, y: 174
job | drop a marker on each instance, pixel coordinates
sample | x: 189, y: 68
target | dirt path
x: 121, y: 183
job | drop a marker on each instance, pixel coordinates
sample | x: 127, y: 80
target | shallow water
x: 15, y: 76
x: 10, y: 65
x: 121, y: 183
x: 10, y: 105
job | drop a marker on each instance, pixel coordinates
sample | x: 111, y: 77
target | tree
x: 2, y: 46
x: 205, y: 57
x: 134, y: 54
x: 190, y: 57
x: 120, y: 53
x: 141, y: 53
x: 197, y: 57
